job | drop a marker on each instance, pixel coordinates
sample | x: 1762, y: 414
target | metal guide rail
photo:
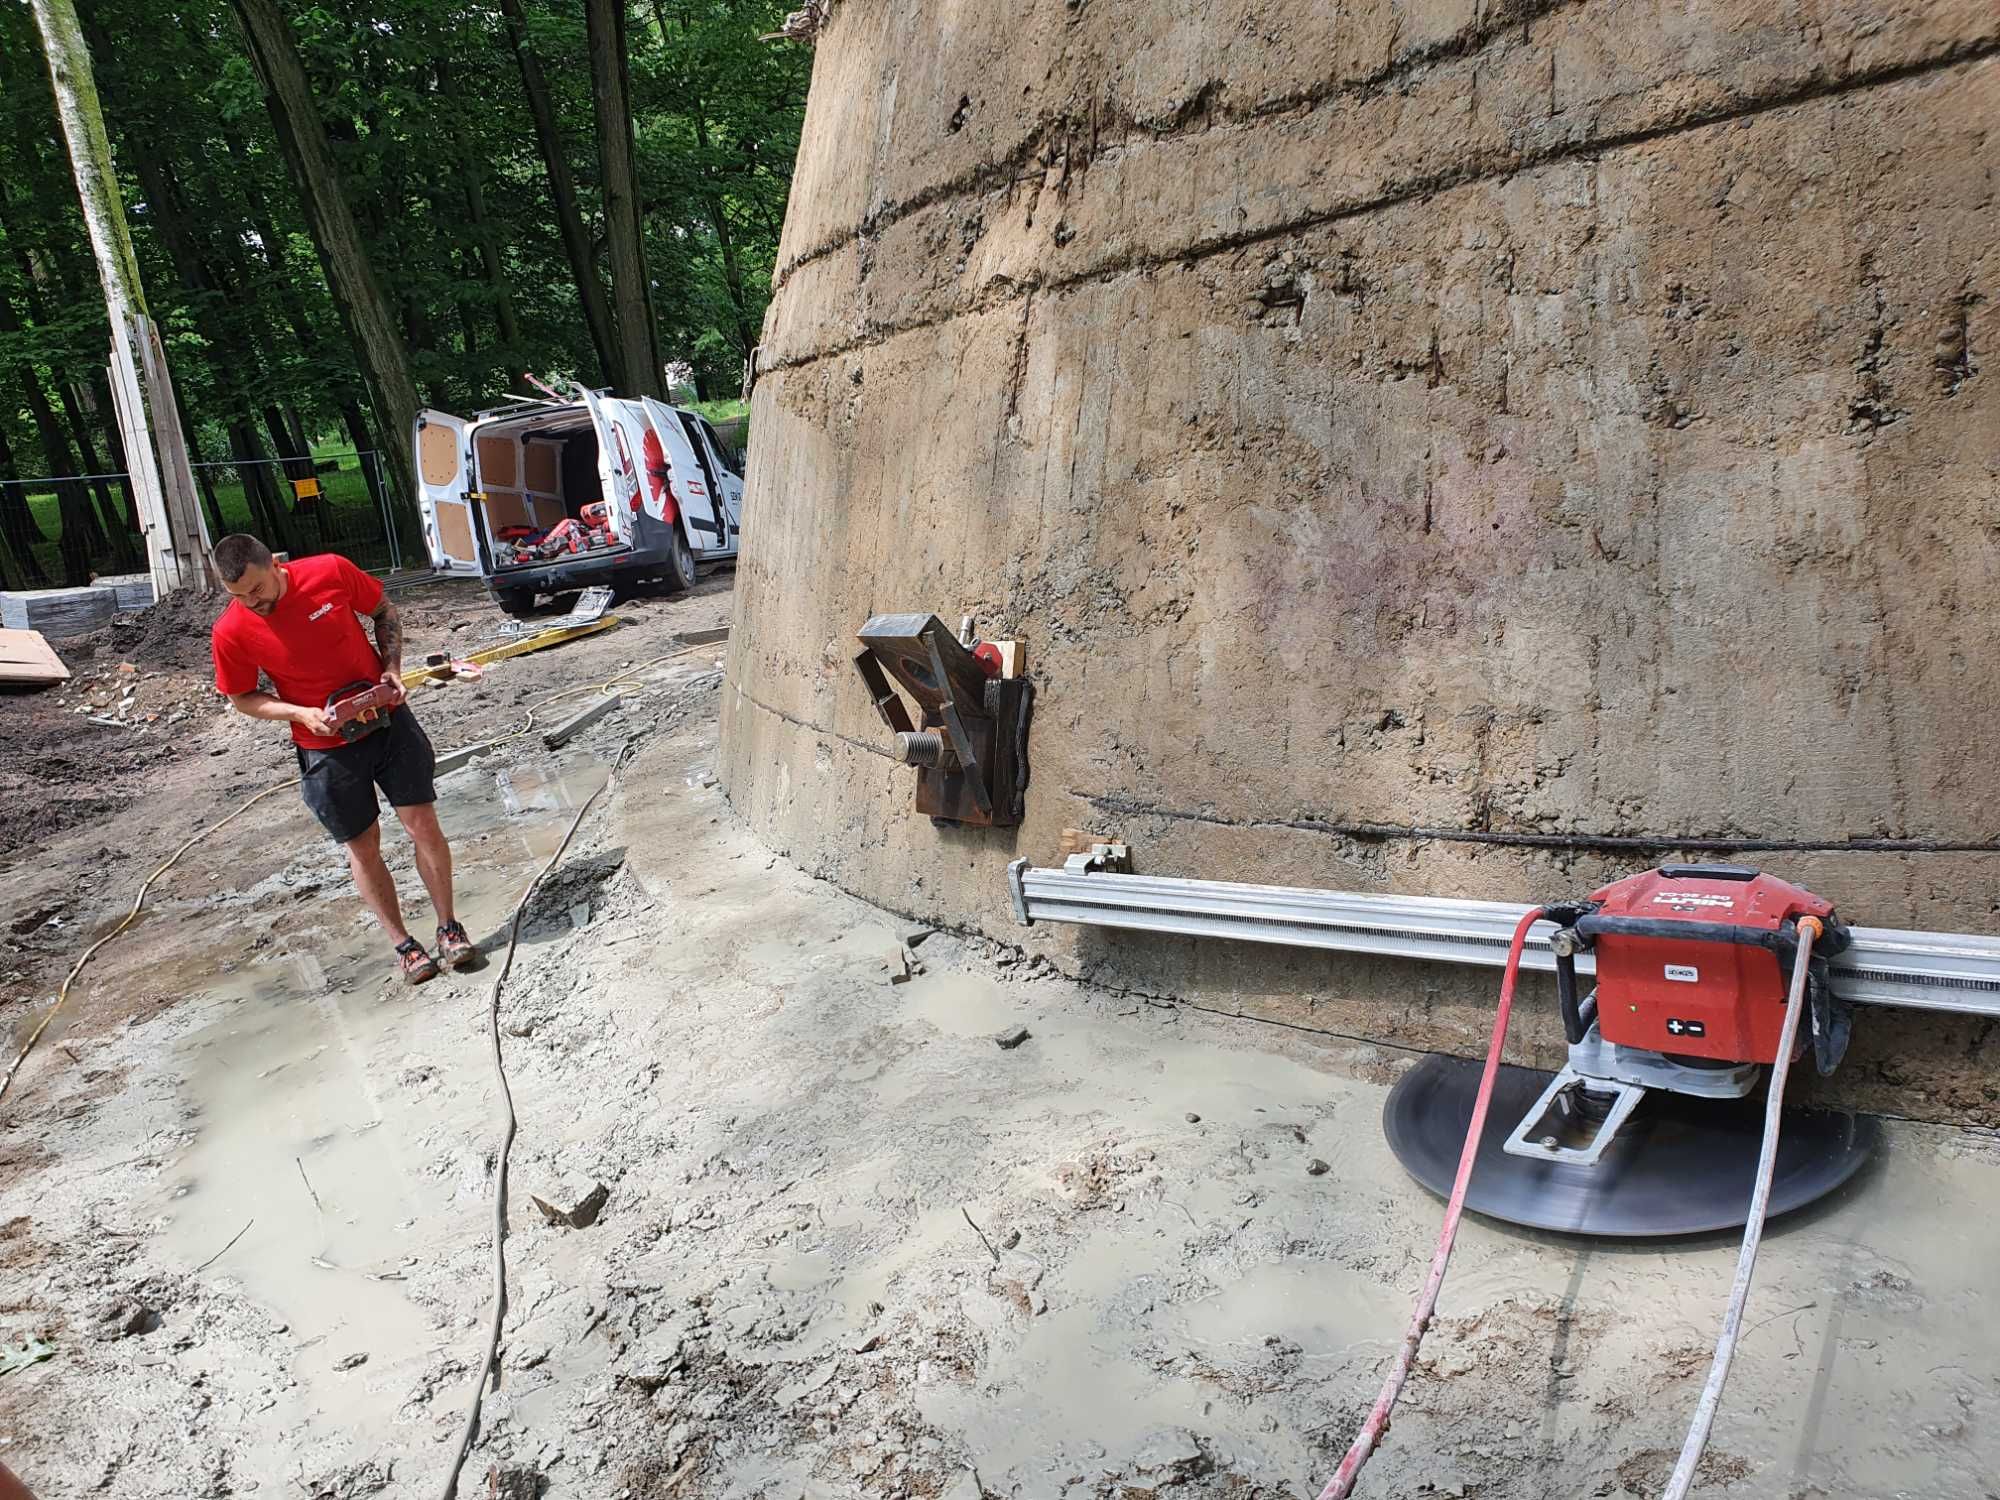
x: 1944, y: 971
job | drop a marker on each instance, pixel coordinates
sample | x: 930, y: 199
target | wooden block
x: 26, y: 658
x: 56, y: 612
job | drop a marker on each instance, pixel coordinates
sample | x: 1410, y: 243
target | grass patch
x: 721, y: 411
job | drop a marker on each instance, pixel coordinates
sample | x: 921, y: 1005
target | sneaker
x: 455, y: 949
x: 417, y: 964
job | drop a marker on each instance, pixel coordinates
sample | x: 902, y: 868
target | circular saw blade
x: 1681, y: 1165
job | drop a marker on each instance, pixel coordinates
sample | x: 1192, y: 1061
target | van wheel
x: 679, y: 574
x: 516, y: 602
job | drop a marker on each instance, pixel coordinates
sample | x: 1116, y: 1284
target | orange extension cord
x: 1342, y: 1483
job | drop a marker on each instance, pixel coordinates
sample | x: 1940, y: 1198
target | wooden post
x: 140, y: 390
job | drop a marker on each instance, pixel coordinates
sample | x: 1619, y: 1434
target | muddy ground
x: 851, y: 1247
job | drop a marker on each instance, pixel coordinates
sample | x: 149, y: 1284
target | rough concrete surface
x: 1568, y: 418
x: 850, y: 1247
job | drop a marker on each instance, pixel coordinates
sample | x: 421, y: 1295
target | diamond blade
x: 1680, y: 1166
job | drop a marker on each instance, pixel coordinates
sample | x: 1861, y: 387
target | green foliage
x: 426, y: 112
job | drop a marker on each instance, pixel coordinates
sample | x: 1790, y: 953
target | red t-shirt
x: 311, y: 645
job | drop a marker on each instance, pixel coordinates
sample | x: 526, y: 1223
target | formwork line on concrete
x: 1001, y: 171
x: 1420, y: 190
x: 1418, y: 833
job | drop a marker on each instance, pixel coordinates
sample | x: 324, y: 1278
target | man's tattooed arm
x: 389, y: 636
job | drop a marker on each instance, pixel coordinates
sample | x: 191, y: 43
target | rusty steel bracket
x: 966, y: 729
x: 887, y: 703
x: 961, y: 742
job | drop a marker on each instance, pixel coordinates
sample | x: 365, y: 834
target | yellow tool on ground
x: 553, y: 637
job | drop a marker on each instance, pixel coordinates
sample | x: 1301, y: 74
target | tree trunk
x: 301, y: 441
x: 562, y: 189
x: 624, y: 226
x: 472, y: 183
x: 107, y: 535
x: 260, y: 490
x: 204, y: 479
x: 174, y: 546
x: 18, y: 530
x: 468, y: 314
x: 356, y: 292
x: 732, y: 271
x: 371, y: 468
x: 72, y: 500
x: 294, y: 464
x: 94, y: 539
x: 344, y: 385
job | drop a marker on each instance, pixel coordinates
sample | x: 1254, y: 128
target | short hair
x: 233, y: 555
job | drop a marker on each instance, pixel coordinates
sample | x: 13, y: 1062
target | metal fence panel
x: 57, y: 530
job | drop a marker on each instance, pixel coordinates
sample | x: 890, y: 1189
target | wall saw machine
x: 1650, y: 1128
x: 1672, y: 988
x: 1710, y: 981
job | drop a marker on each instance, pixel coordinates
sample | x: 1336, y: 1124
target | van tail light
x: 670, y: 503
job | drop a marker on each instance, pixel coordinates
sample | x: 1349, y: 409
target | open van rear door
x: 443, y: 483
x: 617, y: 465
x: 694, y: 490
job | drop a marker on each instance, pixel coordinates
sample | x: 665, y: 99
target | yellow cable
x: 62, y: 995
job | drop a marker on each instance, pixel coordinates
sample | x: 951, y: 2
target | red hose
x: 1342, y: 1483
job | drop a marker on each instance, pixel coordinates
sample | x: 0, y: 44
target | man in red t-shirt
x: 298, y: 624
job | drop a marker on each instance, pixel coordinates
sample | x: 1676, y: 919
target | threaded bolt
x: 923, y: 747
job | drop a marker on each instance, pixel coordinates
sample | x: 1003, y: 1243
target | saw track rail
x: 1958, y: 973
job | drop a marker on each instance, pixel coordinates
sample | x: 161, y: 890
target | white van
x: 547, y: 496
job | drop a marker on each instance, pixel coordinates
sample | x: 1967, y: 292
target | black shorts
x: 339, y: 785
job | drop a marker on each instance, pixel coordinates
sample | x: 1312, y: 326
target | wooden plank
x: 26, y: 658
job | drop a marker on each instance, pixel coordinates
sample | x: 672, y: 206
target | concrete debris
x: 1011, y: 1038
x: 123, y: 1317
x: 1169, y: 1456
x: 651, y: 1363
x: 1316, y: 1168
x: 914, y: 936
x: 350, y: 1482
x: 580, y: 1217
x: 352, y: 1361
x: 514, y: 1483
x: 1193, y: 1118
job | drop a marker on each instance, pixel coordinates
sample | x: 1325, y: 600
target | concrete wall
x: 1550, y: 417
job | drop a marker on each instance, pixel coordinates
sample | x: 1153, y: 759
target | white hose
x: 1753, y: 1232
x: 497, y: 1317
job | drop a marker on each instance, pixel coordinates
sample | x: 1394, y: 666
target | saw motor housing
x: 1695, y: 960
x: 1694, y: 964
